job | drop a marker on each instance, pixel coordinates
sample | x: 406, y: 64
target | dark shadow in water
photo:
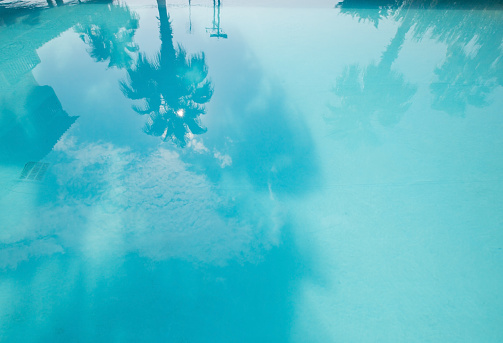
x: 173, y: 88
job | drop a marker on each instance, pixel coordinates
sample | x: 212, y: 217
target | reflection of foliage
x: 110, y: 35
x: 368, y: 95
x: 173, y: 86
x: 372, y: 11
x: 461, y: 82
x: 473, y: 67
x: 376, y: 92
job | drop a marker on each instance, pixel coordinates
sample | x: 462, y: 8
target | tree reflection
x: 473, y: 67
x: 364, y: 94
x: 372, y: 11
x: 110, y: 35
x: 172, y: 86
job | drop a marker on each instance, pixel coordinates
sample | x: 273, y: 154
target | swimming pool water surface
x: 251, y: 171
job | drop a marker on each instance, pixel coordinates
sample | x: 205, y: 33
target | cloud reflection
x: 111, y: 200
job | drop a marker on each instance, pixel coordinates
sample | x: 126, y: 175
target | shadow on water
x: 471, y: 71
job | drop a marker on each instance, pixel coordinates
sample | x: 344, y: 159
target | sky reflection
x: 311, y: 174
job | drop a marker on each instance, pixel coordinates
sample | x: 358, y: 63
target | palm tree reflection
x: 109, y: 34
x: 376, y: 92
x: 473, y: 65
x: 173, y: 88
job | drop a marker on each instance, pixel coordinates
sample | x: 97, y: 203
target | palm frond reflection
x: 171, y: 88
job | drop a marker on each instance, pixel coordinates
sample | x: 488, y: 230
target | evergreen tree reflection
x: 173, y: 88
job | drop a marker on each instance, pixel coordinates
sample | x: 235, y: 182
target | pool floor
x: 251, y: 171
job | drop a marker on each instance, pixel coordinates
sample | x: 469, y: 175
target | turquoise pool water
x: 251, y: 172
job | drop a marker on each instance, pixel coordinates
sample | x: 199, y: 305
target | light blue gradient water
x: 251, y: 172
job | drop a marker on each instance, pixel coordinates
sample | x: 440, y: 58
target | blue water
x: 251, y: 172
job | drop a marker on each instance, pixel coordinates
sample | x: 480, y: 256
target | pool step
x: 34, y: 171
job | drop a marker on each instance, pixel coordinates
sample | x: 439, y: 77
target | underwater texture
x: 251, y: 171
